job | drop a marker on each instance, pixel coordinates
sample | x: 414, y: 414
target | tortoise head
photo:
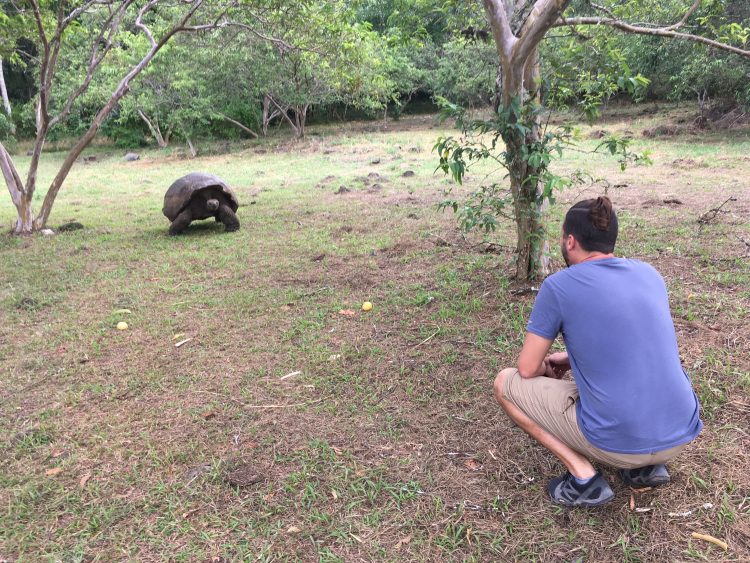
x: 212, y: 204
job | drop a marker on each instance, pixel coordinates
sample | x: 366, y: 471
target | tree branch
x: 109, y: 27
x: 504, y: 38
x: 240, y: 125
x: 542, y: 18
x: 685, y: 18
x: 659, y: 32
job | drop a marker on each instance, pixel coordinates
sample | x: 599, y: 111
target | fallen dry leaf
x: 293, y: 530
x: 705, y: 537
x: 632, y: 502
x: 190, y: 512
x: 53, y: 471
x: 403, y: 541
x: 347, y: 312
x: 84, y: 479
x: 208, y: 415
x: 57, y: 453
x: 472, y: 464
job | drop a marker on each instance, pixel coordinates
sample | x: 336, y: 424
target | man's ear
x: 570, y: 242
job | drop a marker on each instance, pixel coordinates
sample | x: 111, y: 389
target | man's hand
x: 557, y: 365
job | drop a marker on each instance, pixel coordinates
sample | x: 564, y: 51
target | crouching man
x: 631, y: 406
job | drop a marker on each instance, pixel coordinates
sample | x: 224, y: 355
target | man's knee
x: 500, y: 380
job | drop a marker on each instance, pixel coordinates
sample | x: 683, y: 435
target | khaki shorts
x: 551, y: 403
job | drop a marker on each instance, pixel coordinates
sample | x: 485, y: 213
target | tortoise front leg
x: 180, y: 222
x: 229, y: 218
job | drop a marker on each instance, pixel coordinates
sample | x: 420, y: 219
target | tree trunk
x: 193, y: 151
x: 18, y: 194
x: 153, y: 126
x: 266, y: 115
x: 517, y: 29
x: 497, y: 97
x: 4, y: 93
x: 522, y: 82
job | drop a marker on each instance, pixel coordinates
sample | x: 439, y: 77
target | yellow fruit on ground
x: 122, y: 325
x: 366, y: 306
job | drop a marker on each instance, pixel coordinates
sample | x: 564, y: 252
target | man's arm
x: 532, y: 362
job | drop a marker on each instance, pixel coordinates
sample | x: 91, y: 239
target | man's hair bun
x: 600, y: 212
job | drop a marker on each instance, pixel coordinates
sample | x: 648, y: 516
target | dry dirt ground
x: 292, y: 426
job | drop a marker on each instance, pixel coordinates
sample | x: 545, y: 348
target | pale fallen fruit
x: 367, y: 306
x: 122, y: 325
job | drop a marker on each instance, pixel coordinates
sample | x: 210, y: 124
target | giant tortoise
x: 200, y: 196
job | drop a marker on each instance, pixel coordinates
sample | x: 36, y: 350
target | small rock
x: 131, y: 156
x: 48, y: 232
x: 243, y: 475
x: 408, y: 174
x: 375, y: 188
x: 70, y: 226
x: 412, y: 216
x: 375, y: 161
x: 342, y: 190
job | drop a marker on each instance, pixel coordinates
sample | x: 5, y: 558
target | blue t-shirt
x: 614, y: 316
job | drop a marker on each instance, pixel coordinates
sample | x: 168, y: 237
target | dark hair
x: 593, y: 223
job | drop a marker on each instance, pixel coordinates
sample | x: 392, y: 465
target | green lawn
x: 285, y: 429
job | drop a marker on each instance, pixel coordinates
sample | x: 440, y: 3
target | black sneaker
x: 647, y: 476
x: 564, y: 490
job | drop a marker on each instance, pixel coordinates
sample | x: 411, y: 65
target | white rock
x: 48, y: 232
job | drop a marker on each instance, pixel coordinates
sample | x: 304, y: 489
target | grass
x: 117, y: 444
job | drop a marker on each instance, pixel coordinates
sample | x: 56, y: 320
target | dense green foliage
x: 371, y: 55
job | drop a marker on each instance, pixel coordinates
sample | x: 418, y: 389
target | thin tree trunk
x: 266, y: 115
x: 193, y: 152
x: 4, y: 92
x: 497, y: 98
x: 155, y: 130
x: 294, y: 123
x: 24, y: 217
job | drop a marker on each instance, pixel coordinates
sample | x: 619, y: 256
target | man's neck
x: 596, y: 256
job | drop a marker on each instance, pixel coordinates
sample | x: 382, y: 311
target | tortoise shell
x: 182, y: 190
